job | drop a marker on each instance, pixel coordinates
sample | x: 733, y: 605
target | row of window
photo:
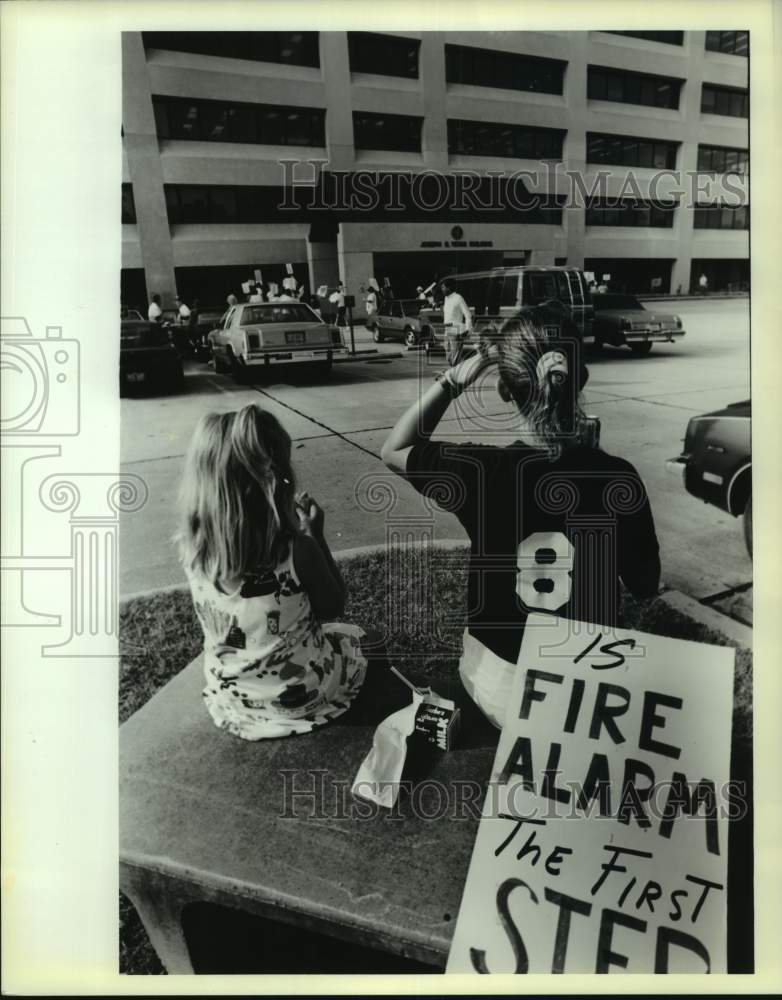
x: 731, y: 101
x: 626, y: 87
x: 391, y: 55
x: 493, y: 139
x: 190, y: 203
x: 735, y: 43
x: 721, y: 217
x: 421, y: 200
x: 630, y: 151
x: 601, y: 212
x: 218, y: 121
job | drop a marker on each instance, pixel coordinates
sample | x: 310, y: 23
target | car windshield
x: 608, y: 301
x: 296, y: 312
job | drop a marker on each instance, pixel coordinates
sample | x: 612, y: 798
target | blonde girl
x: 263, y: 583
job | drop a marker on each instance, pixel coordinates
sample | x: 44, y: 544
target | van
x: 503, y: 292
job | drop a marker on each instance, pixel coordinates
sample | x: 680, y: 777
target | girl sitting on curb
x: 263, y: 581
x: 554, y: 522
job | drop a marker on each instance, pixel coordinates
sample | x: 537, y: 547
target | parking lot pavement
x: 338, y: 426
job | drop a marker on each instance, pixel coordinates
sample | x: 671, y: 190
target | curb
x: 674, y: 599
x: 341, y: 556
x: 708, y: 617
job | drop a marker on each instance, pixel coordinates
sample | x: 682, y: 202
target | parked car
x: 622, y: 320
x: 505, y: 292
x: 399, y: 319
x: 147, y: 357
x: 252, y: 336
x: 716, y: 463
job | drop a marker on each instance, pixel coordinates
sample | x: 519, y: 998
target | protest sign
x: 289, y: 284
x: 258, y: 276
x: 246, y: 287
x: 603, y: 841
x: 289, y: 268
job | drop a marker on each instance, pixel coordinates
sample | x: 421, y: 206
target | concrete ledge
x: 708, y: 617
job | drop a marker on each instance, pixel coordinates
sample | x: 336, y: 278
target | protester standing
x: 457, y: 319
x: 154, y: 313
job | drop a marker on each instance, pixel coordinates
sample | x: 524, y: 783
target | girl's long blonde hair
x: 237, y: 495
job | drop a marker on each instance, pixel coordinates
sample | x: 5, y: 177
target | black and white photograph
x: 424, y: 569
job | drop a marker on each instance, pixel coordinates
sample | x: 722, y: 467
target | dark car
x: 716, y: 463
x: 398, y: 319
x: 621, y: 320
x: 147, y: 357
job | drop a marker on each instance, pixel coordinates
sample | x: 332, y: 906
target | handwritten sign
x: 603, y: 841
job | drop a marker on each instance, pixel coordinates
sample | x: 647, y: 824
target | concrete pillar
x: 687, y: 160
x: 574, y: 148
x: 355, y: 267
x: 335, y: 65
x: 146, y: 172
x: 323, y: 263
x: 431, y: 68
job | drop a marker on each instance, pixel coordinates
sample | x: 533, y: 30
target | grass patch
x: 421, y: 601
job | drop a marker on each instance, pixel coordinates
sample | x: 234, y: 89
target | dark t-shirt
x: 545, y: 536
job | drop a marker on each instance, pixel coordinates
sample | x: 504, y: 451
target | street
x: 339, y: 423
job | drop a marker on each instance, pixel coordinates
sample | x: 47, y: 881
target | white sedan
x: 252, y: 336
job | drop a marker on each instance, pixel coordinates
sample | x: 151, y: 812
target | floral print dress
x: 271, y: 668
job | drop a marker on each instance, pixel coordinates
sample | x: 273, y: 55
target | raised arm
x: 420, y: 420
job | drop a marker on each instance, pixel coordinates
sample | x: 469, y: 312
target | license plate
x: 295, y: 337
x: 136, y: 376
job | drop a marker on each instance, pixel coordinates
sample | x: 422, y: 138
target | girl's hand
x: 467, y: 371
x: 311, y: 516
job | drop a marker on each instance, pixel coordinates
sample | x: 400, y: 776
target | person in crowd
x: 314, y: 304
x: 457, y: 319
x: 370, y: 305
x: 420, y: 293
x: 232, y: 301
x: 155, y: 311
x: 256, y: 294
x: 263, y: 583
x: 703, y: 284
x: 182, y: 311
x: 517, y: 503
x: 338, y: 299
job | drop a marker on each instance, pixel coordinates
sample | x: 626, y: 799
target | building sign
x: 456, y: 244
x: 603, y: 841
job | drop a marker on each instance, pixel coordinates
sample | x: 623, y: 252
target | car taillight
x: 336, y: 336
x: 253, y: 341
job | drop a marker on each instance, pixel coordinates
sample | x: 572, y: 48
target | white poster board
x: 588, y: 857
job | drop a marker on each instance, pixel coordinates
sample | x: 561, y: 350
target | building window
x: 508, y: 70
x: 667, y: 37
x: 606, y: 84
x: 735, y: 43
x: 729, y: 101
x: 630, y: 212
x: 386, y: 55
x: 630, y: 151
x: 401, y: 133
x: 296, y: 48
x: 216, y: 121
x: 128, y: 206
x: 723, y: 160
x: 494, y: 139
x: 722, y: 217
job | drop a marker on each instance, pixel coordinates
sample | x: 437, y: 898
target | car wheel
x: 642, y: 348
x: 377, y: 336
x: 748, y: 524
x: 411, y: 339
